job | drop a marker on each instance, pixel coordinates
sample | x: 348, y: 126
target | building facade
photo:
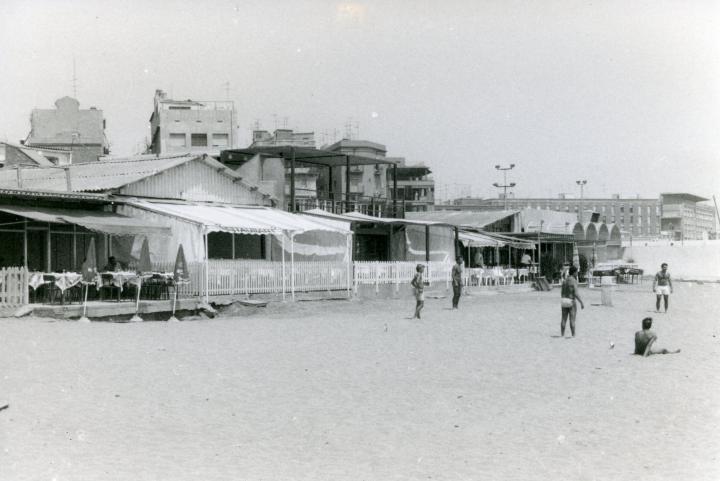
x: 189, y: 126
x: 366, y: 181
x: 678, y: 215
x: 415, y: 186
x: 67, y: 127
x: 22, y: 155
x: 684, y: 217
x: 263, y: 138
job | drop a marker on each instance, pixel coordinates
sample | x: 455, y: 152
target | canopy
x: 242, y: 219
x: 472, y: 239
x: 358, y: 217
x: 95, y: 220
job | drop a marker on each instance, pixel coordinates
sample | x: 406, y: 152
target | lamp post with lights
x: 505, y: 184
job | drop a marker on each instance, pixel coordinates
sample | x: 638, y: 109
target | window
x: 632, y: 220
x: 631, y: 209
x: 178, y: 107
x: 178, y: 140
x: 622, y: 208
x: 198, y: 140
x: 219, y: 140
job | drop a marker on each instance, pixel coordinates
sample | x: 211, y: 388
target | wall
x: 267, y: 172
x: 693, y: 260
x: 195, y: 181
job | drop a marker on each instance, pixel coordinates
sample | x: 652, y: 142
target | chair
x: 107, y: 285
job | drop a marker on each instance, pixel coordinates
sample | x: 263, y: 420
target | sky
x: 625, y: 95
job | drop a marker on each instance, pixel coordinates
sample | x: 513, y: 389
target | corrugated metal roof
x: 91, y: 176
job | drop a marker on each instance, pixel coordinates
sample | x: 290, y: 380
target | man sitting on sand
x: 645, y: 339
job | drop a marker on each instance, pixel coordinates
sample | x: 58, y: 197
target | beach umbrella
x: 89, y: 274
x: 180, y: 276
x: 144, y: 265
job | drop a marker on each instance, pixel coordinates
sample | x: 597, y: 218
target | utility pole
x: 505, y: 184
x: 581, y: 183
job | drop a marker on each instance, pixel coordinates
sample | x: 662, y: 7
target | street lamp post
x: 505, y: 184
x: 581, y: 183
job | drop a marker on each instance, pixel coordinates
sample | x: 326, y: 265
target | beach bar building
x: 235, y: 241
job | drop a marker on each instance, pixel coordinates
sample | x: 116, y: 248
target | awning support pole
x: 282, y: 248
x: 457, y: 244
x: 49, y: 251
x: 25, y: 245
x: 292, y: 180
x: 395, y: 192
x: 427, y: 243
x: 292, y: 265
x: 74, y: 253
x: 331, y: 194
x: 347, y: 183
x: 207, y: 271
x: 348, y: 247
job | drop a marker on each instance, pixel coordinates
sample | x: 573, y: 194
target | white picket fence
x: 398, y: 272
x: 13, y: 287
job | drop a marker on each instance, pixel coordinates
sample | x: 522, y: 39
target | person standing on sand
x: 568, y: 296
x: 662, y: 287
x: 419, y: 285
x: 645, y: 339
x: 457, y: 281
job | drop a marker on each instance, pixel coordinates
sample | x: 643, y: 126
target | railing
x: 13, y: 287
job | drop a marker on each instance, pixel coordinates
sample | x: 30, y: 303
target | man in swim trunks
x: 645, y: 339
x: 662, y: 286
x: 569, y: 292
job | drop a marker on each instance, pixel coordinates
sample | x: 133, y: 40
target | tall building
x: 415, y: 186
x: 677, y: 215
x: 179, y: 126
x: 67, y: 127
x: 684, y: 217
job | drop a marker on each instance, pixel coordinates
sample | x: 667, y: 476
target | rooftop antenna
x: 256, y: 124
x: 275, y: 120
x: 226, y: 85
x: 285, y: 122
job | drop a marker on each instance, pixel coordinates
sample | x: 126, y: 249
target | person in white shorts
x: 662, y: 286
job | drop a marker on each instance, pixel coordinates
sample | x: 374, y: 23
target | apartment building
x: 194, y: 126
x: 69, y: 128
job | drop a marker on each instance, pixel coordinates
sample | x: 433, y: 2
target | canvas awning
x: 242, y: 219
x: 95, y: 220
x: 472, y: 239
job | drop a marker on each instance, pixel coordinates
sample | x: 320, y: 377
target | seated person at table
x: 645, y: 339
x: 525, y: 260
x: 112, y: 265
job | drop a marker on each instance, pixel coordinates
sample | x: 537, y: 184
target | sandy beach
x: 354, y: 390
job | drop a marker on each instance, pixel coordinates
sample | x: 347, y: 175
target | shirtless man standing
x: 645, y: 339
x: 569, y: 294
x: 662, y: 286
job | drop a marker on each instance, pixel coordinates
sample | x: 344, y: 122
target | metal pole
x: 347, y: 183
x: 395, y: 193
x: 282, y: 248
x: 331, y: 194
x: 25, y: 244
x: 49, y: 251
x: 292, y: 180
x: 348, y: 246
x: 292, y: 265
x: 427, y: 243
x: 457, y: 245
x: 207, y: 271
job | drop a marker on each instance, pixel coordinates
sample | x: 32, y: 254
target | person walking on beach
x: 645, y: 339
x: 568, y: 296
x: 457, y: 282
x: 419, y: 285
x: 662, y: 287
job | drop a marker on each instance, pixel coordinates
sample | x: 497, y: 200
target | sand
x: 354, y: 390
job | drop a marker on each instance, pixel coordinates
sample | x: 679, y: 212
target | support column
x: 284, y: 276
x: 74, y: 247
x: 48, y: 263
x: 347, y: 182
x: 427, y: 243
x: 292, y: 180
x: 25, y: 244
x: 292, y: 265
x: 207, y: 271
x: 348, y: 250
x: 331, y: 194
x: 394, y: 197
